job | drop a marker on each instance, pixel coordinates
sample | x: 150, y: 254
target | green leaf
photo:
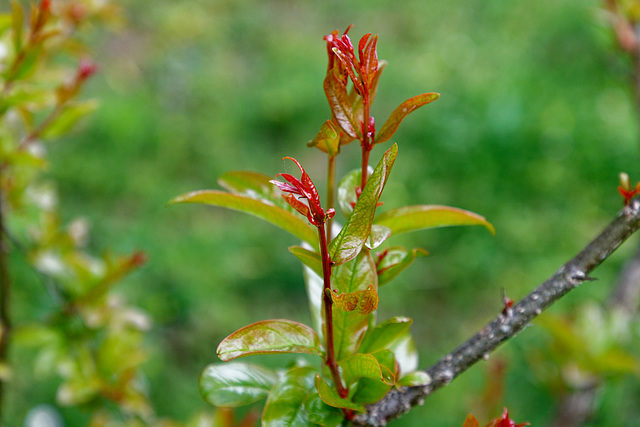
x: 369, y: 391
x: 331, y: 397
x: 364, y: 365
x: 327, y: 139
x: 385, y: 334
x: 17, y: 19
x: 405, y: 352
x: 348, y: 243
x: 270, y: 337
x: 340, y: 104
x: 347, y: 196
x: 68, y: 117
x: 309, y: 258
x: 379, y: 233
x: 349, y: 326
x: 315, y: 288
x: 364, y: 302
x: 395, y: 260
x: 235, y: 384
x: 391, y: 125
x: 322, y: 414
x: 418, y: 217
x: 254, y: 185
x: 415, y: 379
x: 5, y: 22
x: 286, y: 401
x: 277, y: 216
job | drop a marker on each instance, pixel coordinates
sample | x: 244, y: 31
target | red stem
x: 365, y: 143
x: 328, y: 303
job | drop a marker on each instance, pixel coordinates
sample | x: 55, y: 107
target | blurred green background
x: 535, y: 122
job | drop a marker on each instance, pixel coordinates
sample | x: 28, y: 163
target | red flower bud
x: 86, y: 69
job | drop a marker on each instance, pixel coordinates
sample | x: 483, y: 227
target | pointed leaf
x: 270, y: 337
x: 277, y: 216
x: 340, y: 104
x: 331, y: 397
x: 411, y: 104
x: 415, y: 379
x: 285, y: 404
x: 348, y: 243
x: 364, y: 302
x: 235, y: 384
x: 385, y: 334
x: 349, y: 327
x: 67, y: 118
x: 395, y: 260
x: 370, y: 391
x: 254, y: 185
x: 364, y: 365
x: 309, y: 258
x: 418, y: 217
x: 327, y: 139
x: 471, y: 421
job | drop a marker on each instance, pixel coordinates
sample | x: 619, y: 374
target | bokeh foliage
x: 535, y: 121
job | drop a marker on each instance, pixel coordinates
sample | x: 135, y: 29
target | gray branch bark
x: 507, y: 325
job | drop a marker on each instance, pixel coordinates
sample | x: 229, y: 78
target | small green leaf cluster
x: 360, y: 359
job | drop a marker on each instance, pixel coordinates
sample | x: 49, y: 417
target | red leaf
x: 403, y: 110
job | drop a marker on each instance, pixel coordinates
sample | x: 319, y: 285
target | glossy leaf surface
x: 270, y: 337
x: 286, y: 220
x: 418, y: 217
x: 322, y: 414
x: 253, y: 185
x: 385, y: 334
x: 414, y: 379
x: 348, y: 243
x: 327, y: 139
x: 396, y: 260
x: 370, y: 391
x: 235, y: 384
x: 340, y: 104
x: 285, y: 404
x: 347, y: 196
x: 331, y: 397
x: 364, y: 301
x: 364, y: 365
x: 314, y: 286
x: 391, y: 125
x: 379, y: 233
x: 349, y: 326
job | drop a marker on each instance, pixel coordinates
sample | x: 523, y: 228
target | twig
x: 506, y: 326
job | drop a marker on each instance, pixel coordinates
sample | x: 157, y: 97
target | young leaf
x: 348, y: 243
x: 382, y: 336
x: 395, y: 260
x: 235, y: 384
x: 349, y: 326
x: 415, y: 379
x: 253, y: 185
x: 364, y: 302
x: 277, y: 216
x: 411, y: 104
x: 340, y: 104
x: 364, y: 365
x: 309, y: 258
x: 270, y: 337
x: 369, y: 391
x: 285, y: 403
x: 69, y: 116
x: 327, y: 139
x: 471, y: 421
x: 418, y: 217
x: 331, y: 397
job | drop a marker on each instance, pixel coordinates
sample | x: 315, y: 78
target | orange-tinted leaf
x: 327, y: 139
x: 411, y: 104
x: 471, y: 421
x: 364, y: 302
x: 270, y: 337
x: 340, y: 104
